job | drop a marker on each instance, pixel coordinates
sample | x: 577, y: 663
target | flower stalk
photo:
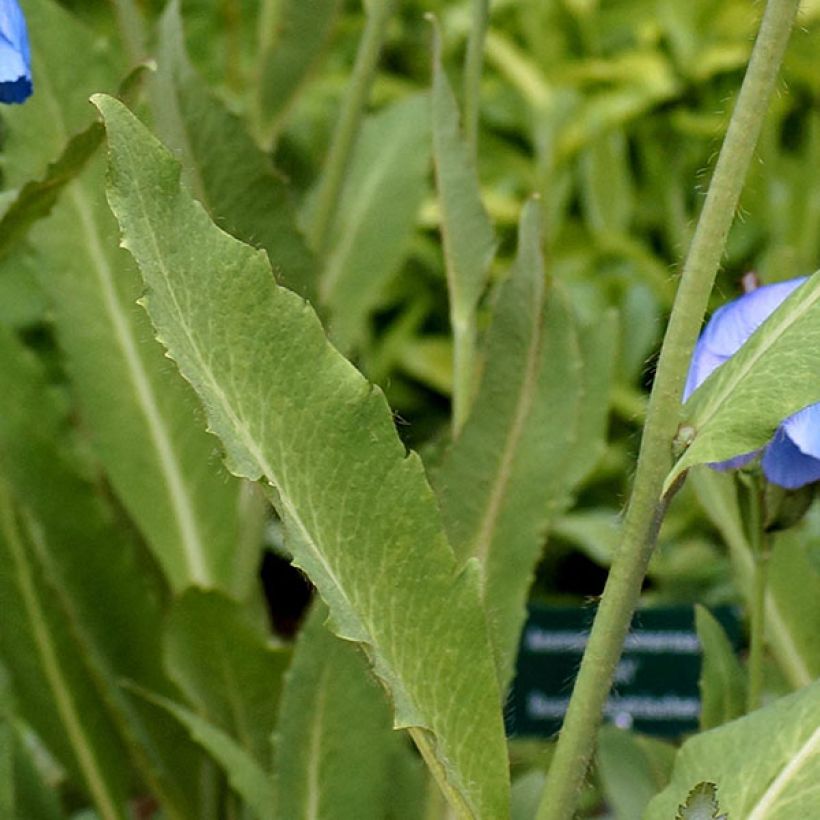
x: 647, y: 506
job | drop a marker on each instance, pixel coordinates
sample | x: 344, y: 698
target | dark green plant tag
x: 656, y: 681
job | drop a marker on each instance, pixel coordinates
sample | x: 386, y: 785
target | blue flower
x: 15, y: 60
x: 792, y: 458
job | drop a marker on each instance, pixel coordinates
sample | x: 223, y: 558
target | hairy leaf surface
x: 292, y: 412
x: 766, y: 765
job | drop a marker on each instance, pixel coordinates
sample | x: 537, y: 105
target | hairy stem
x: 646, y: 506
x: 347, y: 125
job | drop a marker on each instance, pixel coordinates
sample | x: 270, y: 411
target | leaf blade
x: 286, y: 365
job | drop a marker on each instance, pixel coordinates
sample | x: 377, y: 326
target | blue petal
x: 803, y: 428
x: 784, y: 464
x: 15, y: 59
x: 731, y: 325
x: 734, y: 463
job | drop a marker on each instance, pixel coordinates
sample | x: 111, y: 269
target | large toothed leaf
x: 226, y: 665
x: 81, y: 605
x: 469, y: 243
x: 504, y: 476
x: 223, y: 167
x: 738, y: 408
x: 143, y: 417
x: 766, y: 766
x: 384, y: 187
x: 334, y: 740
x: 292, y: 412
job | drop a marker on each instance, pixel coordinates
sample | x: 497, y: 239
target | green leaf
x: 54, y: 690
x: 228, y: 668
x: 23, y: 792
x: 469, y: 242
x: 302, y: 32
x: 606, y: 183
x: 794, y: 587
x: 503, y: 478
x: 247, y: 778
x: 701, y: 804
x: 37, y: 198
x: 789, y: 643
x: 632, y: 769
x: 738, y: 408
x: 88, y: 603
x: 765, y: 765
x: 334, y: 741
x: 383, y: 191
x: 142, y: 416
x: 722, y: 680
x: 361, y: 519
x: 223, y: 167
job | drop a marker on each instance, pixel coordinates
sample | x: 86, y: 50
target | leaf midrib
x: 787, y: 773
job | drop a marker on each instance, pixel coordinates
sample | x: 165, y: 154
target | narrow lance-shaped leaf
x: 89, y: 600
x: 247, y: 778
x: 383, y: 191
x: 722, y: 682
x: 141, y: 414
x: 361, y: 519
x: 223, y: 167
x: 766, y: 766
x: 503, y: 477
x: 55, y: 691
x: 737, y: 409
x: 469, y: 243
x: 226, y: 665
x: 334, y: 738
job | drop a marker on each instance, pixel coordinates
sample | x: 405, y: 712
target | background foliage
x: 149, y: 606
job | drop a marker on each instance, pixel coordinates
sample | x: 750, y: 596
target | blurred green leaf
x: 794, y: 586
x: 503, y: 478
x: 765, y: 765
x: 722, y: 680
x: 292, y: 45
x: 737, y: 409
x: 701, y: 804
x: 228, y: 668
x: 632, y: 769
x: 606, y: 184
x: 469, y: 243
x: 247, y: 778
x: 334, y: 741
x: 256, y: 387
x: 88, y: 603
x: 141, y: 415
x: 384, y: 187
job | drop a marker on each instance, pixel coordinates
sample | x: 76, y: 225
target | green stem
x: 646, y: 506
x: 347, y: 125
x: 472, y: 72
x: 464, y: 339
x: 758, y: 542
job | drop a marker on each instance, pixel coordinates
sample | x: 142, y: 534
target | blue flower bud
x: 792, y: 458
x: 15, y: 60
